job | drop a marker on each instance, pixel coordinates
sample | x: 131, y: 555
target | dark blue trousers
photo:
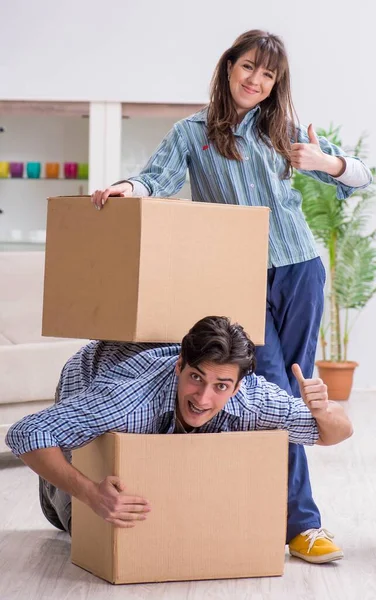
x: 295, y: 301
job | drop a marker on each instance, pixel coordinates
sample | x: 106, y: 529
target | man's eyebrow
x: 219, y: 378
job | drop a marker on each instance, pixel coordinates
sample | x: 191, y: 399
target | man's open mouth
x: 195, y: 409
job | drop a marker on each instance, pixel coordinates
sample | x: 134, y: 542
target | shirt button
x: 246, y: 158
x: 252, y: 185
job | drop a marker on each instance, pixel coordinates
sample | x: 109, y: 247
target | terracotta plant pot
x: 338, y: 376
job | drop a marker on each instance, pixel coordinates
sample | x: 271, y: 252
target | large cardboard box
x: 146, y: 269
x: 218, y: 506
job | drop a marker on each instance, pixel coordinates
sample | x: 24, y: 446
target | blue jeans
x: 295, y: 302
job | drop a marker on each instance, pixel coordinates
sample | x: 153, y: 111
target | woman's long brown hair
x: 275, y: 123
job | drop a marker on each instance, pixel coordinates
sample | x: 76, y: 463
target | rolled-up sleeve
x: 343, y: 190
x: 165, y: 172
x: 70, y: 424
x: 277, y: 410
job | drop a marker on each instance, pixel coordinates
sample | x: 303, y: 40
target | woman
x: 241, y: 150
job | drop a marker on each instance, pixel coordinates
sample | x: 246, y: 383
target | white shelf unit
x: 115, y: 139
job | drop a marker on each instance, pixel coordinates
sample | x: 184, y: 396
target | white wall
x: 165, y: 51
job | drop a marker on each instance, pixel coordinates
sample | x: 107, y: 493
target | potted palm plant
x: 340, y: 226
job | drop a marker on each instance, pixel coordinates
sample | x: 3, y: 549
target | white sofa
x: 30, y: 364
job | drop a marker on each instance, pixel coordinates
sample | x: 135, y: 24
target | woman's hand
x: 310, y: 157
x: 99, y: 197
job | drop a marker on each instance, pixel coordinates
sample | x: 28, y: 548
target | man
x: 206, y: 385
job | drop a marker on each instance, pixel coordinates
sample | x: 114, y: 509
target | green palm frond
x: 323, y: 212
x: 354, y: 284
x: 331, y: 134
x: 361, y: 213
x: 360, y: 149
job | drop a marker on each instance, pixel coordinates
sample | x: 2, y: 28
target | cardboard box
x: 218, y: 507
x: 146, y: 269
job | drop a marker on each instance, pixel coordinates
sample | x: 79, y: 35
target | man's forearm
x: 51, y: 464
x: 333, y: 424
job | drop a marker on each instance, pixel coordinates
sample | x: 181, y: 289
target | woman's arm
x: 322, y: 160
x: 164, y: 174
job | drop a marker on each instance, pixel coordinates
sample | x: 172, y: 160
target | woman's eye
x: 247, y: 66
x: 269, y: 75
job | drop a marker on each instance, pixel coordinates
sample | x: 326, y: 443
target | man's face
x: 204, y: 390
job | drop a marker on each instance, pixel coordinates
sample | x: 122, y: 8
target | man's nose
x: 204, y: 395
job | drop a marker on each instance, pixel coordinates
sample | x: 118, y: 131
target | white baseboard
x: 363, y: 393
x: 3, y: 432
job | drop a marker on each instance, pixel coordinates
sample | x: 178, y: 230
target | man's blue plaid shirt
x: 131, y: 388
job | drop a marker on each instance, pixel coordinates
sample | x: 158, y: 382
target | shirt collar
x: 249, y: 117
x: 238, y: 403
x: 202, y: 116
x: 171, y: 391
x: 232, y: 407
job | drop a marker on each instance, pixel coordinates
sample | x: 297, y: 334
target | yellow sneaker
x: 315, y: 546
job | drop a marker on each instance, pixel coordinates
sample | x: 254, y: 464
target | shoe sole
x: 318, y: 559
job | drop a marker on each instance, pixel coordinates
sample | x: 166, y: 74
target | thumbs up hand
x: 313, y: 391
x: 313, y: 139
x: 309, y: 157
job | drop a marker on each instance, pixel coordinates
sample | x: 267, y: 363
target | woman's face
x: 249, y: 85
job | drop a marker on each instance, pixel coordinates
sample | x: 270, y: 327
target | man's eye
x: 195, y: 377
x: 222, y: 387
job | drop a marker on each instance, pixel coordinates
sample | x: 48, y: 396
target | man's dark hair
x: 217, y: 340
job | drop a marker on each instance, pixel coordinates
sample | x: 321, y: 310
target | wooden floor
x: 35, y: 562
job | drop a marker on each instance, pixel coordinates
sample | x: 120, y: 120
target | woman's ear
x: 229, y: 69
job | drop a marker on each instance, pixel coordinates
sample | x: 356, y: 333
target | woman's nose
x: 255, y: 76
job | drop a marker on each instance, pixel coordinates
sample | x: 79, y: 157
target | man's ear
x: 178, y: 366
x: 237, y: 388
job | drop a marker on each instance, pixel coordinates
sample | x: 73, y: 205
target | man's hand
x: 99, y: 197
x: 310, y: 157
x: 110, y: 502
x: 313, y: 391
